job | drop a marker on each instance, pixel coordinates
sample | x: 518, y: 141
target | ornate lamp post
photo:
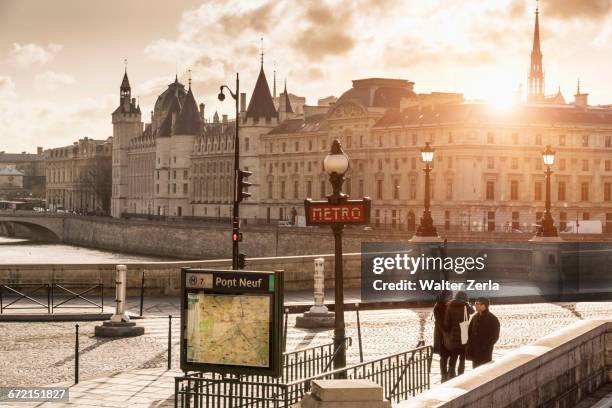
x: 548, y: 228
x: 236, y: 236
x: 427, y: 229
x: 336, y: 164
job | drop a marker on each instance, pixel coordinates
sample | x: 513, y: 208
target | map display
x: 228, y: 329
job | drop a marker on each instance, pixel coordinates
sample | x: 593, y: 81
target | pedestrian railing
x: 401, y: 376
x: 51, y: 296
x: 25, y: 296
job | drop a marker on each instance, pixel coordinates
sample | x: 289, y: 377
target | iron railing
x: 400, y: 375
x: 18, y: 292
x: 50, y: 296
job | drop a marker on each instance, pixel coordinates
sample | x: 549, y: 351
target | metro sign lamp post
x: 240, y: 183
x: 337, y: 212
x: 427, y: 229
x: 548, y: 228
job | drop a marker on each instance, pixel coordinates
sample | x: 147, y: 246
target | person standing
x: 457, y: 311
x: 439, y: 348
x: 483, y: 334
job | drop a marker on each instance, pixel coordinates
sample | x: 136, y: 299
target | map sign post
x: 231, y: 321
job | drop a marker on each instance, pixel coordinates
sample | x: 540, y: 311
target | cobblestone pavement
x: 43, y: 353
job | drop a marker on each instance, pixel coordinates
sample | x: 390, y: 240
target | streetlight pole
x: 427, y: 229
x: 548, y: 228
x: 336, y: 164
x: 236, y: 204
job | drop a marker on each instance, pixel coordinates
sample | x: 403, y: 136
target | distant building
x: 488, y: 171
x: 11, y: 182
x: 33, y: 168
x: 79, y: 176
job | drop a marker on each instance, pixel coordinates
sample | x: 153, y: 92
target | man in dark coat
x: 439, y: 311
x: 483, y: 334
x: 455, y: 314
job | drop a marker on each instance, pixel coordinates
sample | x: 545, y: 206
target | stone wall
x: 164, y: 277
x: 557, y: 371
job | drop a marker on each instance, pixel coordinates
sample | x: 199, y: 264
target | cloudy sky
x: 61, y: 61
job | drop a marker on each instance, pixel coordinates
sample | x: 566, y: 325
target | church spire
x: 536, y: 72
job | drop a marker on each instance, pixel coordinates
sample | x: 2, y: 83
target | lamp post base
x: 420, y: 238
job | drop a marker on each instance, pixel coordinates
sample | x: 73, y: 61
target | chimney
x: 581, y: 100
x: 39, y: 150
x: 242, y: 101
x: 224, y: 118
x: 202, y: 106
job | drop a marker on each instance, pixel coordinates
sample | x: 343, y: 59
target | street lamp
x: 548, y: 229
x: 427, y: 229
x: 236, y: 236
x: 336, y: 164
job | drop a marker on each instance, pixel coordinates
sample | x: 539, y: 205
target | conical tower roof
x: 188, y: 122
x: 261, y: 104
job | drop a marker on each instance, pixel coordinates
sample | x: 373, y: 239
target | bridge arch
x: 50, y: 229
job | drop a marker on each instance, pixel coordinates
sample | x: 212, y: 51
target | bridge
x: 38, y: 226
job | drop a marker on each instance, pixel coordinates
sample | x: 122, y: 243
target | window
x: 491, y: 221
x: 282, y: 167
x: 585, y: 165
x: 561, y: 191
x: 584, y: 191
x: 348, y: 186
x: 349, y: 141
x: 179, y: 211
x: 538, y: 139
x: 282, y: 189
x: 174, y: 188
x: 174, y: 174
x: 446, y: 220
x: 309, y: 166
x: 361, y: 194
x: 515, y: 163
x: 414, y: 139
x: 515, y: 220
x: 157, y: 189
x: 449, y: 161
x: 562, y: 221
x: 490, y: 190
x: 608, y: 223
x: 490, y: 138
x: 585, y: 140
x: 246, y: 144
x: 514, y: 191
x: 185, y: 188
x: 538, y: 191
x: 158, y: 174
x: 413, y: 163
x: 586, y: 216
x: 607, y: 165
x: 269, y: 189
x: 380, y: 144
x: 413, y: 188
x: 515, y: 138
x: 295, y: 167
x: 561, y: 164
x: 284, y: 147
x: 297, y: 146
x: 396, y: 189
x: 323, y: 188
x: 490, y: 162
x: 396, y: 139
x: 310, y: 145
x: 309, y: 189
x: 561, y: 140
x: 608, y: 141
x: 379, y: 189
x: 185, y: 174
x: 607, y: 191
x: 450, y: 137
x: 396, y: 164
x: 379, y: 164
x: 449, y: 189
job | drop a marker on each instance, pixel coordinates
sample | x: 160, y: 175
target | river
x: 19, y: 251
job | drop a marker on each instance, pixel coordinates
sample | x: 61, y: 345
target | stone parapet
x: 558, y: 370
x: 344, y: 394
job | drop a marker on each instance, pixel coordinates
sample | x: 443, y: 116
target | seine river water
x: 14, y: 251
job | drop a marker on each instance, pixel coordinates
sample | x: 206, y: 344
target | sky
x: 62, y: 61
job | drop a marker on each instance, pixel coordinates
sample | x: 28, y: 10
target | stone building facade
x: 79, y: 176
x: 488, y: 170
x: 32, y: 165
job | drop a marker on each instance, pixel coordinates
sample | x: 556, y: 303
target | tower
x: 536, y: 72
x: 127, y: 125
x: 285, y: 111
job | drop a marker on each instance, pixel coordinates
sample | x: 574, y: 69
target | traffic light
x: 243, y: 185
x: 241, y: 261
x: 237, y: 236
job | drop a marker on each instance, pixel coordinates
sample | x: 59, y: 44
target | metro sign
x: 350, y: 212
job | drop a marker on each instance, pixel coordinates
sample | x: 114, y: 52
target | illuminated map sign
x: 231, y: 321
